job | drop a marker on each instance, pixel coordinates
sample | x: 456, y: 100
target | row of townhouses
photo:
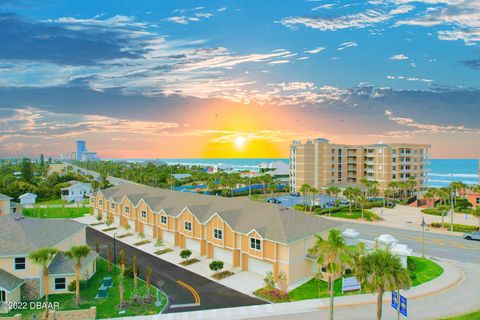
x: 253, y: 236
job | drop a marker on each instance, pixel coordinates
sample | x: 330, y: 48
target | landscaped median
x: 421, y: 270
x: 456, y: 227
x: 106, y: 307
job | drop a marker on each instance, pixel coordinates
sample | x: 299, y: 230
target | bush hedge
x: 456, y: 227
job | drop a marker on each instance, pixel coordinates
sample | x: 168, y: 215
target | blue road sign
x: 403, y: 305
x: 394, y: 300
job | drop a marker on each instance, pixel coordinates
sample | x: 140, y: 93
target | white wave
x: 449, y: 181
x: 455, y: 175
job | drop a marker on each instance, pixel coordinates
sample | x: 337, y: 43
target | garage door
x: 168, y: 237
x: 192, y: 244
x: 116, y: 219
x: 132, y: 224
x: 148, y: 230
x: 223, y: 254
x: 258, y: 266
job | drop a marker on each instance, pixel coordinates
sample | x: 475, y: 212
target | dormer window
x: 127, y: 209
x: 144, y: 214
x: 163, y: 219
x: 255, y: 244
x: 112, y: 205
x: 218, y: 234
x: 188, y: 226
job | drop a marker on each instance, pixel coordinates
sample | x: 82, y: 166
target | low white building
x: 28, y: 198
x: 76, y: 192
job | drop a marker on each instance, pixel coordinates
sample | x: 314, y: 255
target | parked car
x: 295, y: 194
x: 273, y: 200
x: 474, y: 235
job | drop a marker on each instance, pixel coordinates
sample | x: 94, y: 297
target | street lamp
x: 114, y: 255
x: 423, y: 224
x: 451, y: 205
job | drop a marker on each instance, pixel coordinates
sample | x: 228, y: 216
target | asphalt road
x: 436, y: 245
x: 212, y: 295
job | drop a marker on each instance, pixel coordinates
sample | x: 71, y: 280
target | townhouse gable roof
x: 273, y: 222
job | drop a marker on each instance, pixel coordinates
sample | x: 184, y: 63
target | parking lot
x: 290, y: 201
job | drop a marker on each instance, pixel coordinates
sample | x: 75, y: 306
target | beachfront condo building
x: 321, y: 164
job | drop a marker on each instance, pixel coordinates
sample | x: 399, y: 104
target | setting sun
x: 240, y: 141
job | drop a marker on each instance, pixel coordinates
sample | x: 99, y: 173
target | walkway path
x: 450, y: 294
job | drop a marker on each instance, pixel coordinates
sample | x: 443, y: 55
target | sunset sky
x: 218, y: 79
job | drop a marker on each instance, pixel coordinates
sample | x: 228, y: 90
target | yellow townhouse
x: 20, y: 278
x: 256, y: 237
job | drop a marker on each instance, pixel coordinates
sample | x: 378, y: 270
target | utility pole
x: 114, y: 255
x: 423, y: 236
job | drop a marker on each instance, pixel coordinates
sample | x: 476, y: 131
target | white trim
x: 55, y: 285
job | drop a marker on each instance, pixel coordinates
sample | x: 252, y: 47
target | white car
x: 475, y: 235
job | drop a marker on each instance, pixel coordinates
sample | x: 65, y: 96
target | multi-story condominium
x: 320, y: 163
x: 253, y: 236
x: 20, y: 277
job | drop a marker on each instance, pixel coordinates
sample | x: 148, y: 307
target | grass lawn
x: 106, y: 308
x: 51, y: 202
x: 470, y: 316
x: 356, y: 214
x: 55, y: 212
x: 424, y: 270
x: 421, y: 271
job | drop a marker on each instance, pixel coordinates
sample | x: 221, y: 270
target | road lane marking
x: 190, y: 288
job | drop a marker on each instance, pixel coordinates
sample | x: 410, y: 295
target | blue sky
x: 130, y: 75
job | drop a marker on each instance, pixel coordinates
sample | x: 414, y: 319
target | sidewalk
x: 242, y: 281
x: 449, y: 294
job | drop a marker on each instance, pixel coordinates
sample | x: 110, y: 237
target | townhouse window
x: 187, y: 226
x: 218, y: 234
x: 163, y: 219
x: 3, y: 296
x: 20, y: 263
x: 144, y: 214
x: 255, y: 244
x: 60, y: 284
x: 112, y: 205
x: 394, y: 168
x: 394, y: 160
x: 127, y: 209
x: 100, y: 202
x: 477, y: 200
x: 394, y: 176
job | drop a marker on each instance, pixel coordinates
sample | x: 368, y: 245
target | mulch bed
x: 189, y: 262
x: 141, y: 243
x: 124, y: 235
x: 223, y: 274
x: 166, y: 250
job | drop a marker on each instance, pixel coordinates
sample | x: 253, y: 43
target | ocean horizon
x: 442, y: 171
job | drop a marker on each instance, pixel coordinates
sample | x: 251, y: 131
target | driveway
x: 212, y: 295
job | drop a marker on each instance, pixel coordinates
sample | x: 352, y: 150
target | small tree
x: 122, y: 260
x: 127, y: 227
x: 148, y: 275
x: 110, y: 258
x: 185, y: 254
x: 269, y: 280
x: 216, y: 266
x: 283, y: 282
x: 159, y: 243
x: 141, y: 235
x: 135, y: 271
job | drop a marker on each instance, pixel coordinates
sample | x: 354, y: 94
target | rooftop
x: 8, y: 281
x: 271, y: 221
x: 62, y: 265
x: 20, y: 235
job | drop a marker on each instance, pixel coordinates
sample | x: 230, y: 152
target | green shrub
x: 71, y: 286
x: 435, y: 212
x: 456, y: 227
x: 128, y: 273
x: 216, y: 265
x: 185, y: 254
x: 299, y: 207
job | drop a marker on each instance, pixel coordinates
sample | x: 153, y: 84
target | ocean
x: 442, y: 171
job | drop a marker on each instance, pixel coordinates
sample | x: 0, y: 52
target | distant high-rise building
x: 321, y: 164
x: 81, y: 148
x: 89, y: 156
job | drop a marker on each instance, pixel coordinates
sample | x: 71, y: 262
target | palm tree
x: 333, y: 191
x: 380, y: 271
x: 135, y: 271
x: 361, y: 200
x: 351, y: 194
x: 313, y: 191
x: 42, y: 257
x: 77, y: 253
x: 304, y: 189
x: 333, y: 255
x: 430, y: 194
x: 171, y: 181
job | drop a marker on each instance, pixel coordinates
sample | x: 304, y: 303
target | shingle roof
x: 8, y: 281
x: 4, y: 197
x: 20, y: 235
x: 242, y: 215
x: 62, y: 265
